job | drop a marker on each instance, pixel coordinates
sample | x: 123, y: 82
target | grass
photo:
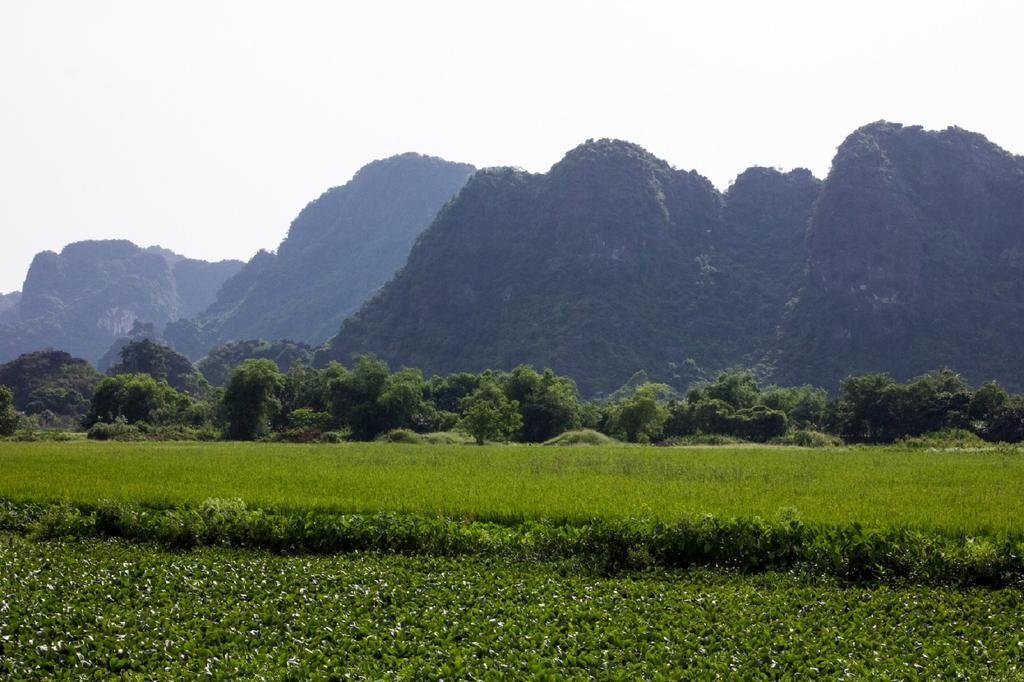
x: 94, y: 610
x: 952, y: 492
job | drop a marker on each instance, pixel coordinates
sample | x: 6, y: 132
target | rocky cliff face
x: 916, y: 261
x: 340, y: 248
x: 611, y: 262
x: 92, y: 292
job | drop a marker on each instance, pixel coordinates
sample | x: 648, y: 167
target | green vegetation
x: 849, y: 551
x: 136, y: 612
x: 250, y: 401
x: 8, y: 417
x: 952, y: 492
x: 581, y: 437
x: 220, y: 361
x: 51, y: 386
x: 368, y: 399
x: 161, y: 363
x: 488, y: 415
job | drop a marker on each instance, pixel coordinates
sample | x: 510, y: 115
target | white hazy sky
x: 205, y: 126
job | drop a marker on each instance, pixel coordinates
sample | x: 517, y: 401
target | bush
x: 446, y: 438
x: 400, y: 436
x: 702, y: 439
x: 581, y: 437
x: 298, y: 435
x: 333, y: 437
x: 119, y: 429
x: 807, y: 438
x: 946, y: 439
x: 178, y: 432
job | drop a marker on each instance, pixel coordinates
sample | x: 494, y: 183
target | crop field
x: 89, y: 609
x: 383, y: 561
x: 952, y: 492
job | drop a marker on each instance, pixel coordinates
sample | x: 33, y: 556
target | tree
x: 447, y: 392
x: 488, y: 415
x: 32, y: 375
x: 640, y: 417
x: 8, y: 417
x: 371, y: 401
x: 163, y: 364
x: 713, y: 416
x: 1008, y: 421
x: 805, y: 406
x: 251, y: 399
x: 759, y: 423
x: 549, y: 403
x: 133, y: 397
x: 738, y: 389
x: 866, y: 407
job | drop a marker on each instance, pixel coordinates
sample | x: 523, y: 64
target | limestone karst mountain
x: 93, y: 292
x: 611, y: 262
x: 340, y: 248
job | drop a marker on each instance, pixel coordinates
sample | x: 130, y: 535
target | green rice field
x: 154, y: 561
x: 953, y: 492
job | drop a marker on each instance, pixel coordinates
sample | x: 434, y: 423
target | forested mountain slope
x: 916, y: 261
x: 909, y: 257
x: 611, y: 262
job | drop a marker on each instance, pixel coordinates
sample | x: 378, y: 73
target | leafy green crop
x: 96, y: 609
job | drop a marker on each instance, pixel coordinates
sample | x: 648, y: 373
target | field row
x: 93, y: 608
x: 952, y: 492
x: 850, y: 552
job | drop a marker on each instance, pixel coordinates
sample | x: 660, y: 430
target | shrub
x: 119, y: 429
x: 298, y: 435
x: 400, y: 436
x: 946, y: 439
x: 703, y: 439
x: 581, y: 437
x: 446, y: 438
x: 333, y: 437
x: 807, y: 438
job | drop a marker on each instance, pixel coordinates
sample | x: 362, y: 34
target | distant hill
x: 93, y: 292
x: 612, y: 262
x: 916, y: 261
x: 340, y: 248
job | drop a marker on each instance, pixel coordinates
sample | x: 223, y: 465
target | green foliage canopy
x: 252, y: 399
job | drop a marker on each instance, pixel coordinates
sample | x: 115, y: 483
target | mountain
x: 916, y: 261
x: 611, y: 262
x: 9, y: 305
x: 340, y: 248
x: 92, y: 292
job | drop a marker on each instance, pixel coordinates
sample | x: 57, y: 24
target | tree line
x: 151, y: 394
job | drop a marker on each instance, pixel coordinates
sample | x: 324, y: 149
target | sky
x: 205, y: 126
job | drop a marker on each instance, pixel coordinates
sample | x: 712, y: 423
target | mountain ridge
x: 338, y: 250
x: 93, y: 291
x: 547, y: 261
